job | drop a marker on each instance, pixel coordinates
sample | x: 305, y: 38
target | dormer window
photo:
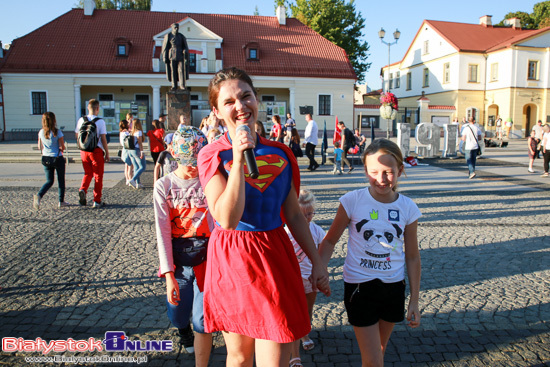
x: 121, y: 50
x: 252, y: 51
x: 122, y: 46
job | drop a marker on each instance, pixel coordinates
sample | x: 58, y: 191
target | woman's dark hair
x: 49, y: 124
x: 295, y: 136
x: 277, y: 118
x: 157, y: 124
x: 223, y: 75
x: 262, y: 129
x: 123, y: 125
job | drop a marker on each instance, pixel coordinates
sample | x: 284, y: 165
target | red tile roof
x: 478, y: 38
x: 85, y: 44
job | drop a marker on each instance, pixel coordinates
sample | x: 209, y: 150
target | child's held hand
x: 413, y: 315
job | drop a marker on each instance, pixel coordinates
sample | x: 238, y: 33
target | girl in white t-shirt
x: 382, y: 227
x: 306, y: 200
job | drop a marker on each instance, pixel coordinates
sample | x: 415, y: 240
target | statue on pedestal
x: 175, y: 54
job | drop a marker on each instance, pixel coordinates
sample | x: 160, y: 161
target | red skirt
x: 253, y: 286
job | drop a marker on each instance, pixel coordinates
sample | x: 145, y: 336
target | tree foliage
x: 539, y: 18
x: 121, y: 4
x: 337, y: 21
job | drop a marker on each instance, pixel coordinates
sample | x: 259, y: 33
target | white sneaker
x: 133, y: 184
x: 139, y: 186
x: 98, y: 205
x: 36, y: 201
x: 531, y: 170
x: 63, y: 204
x: 472, y: 175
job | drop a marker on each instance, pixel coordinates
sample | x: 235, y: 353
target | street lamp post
x: 396, y: 35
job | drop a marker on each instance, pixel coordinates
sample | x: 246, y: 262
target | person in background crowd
x: 545, y: 147
x: 538, y: 136
x: 348, y: 142
x: 125, y: 157
x: 532, y: 150
x: 471, y: 136
x: 276, y: 130
x: 137, y: 155
x: 93, y: 162
x: 360, y: 140
x: 311, y: 141
x: 260, y: 129
x: 166, y: 163
x: 52, y: 145
x: 156, y: 140
x: 294, y: 143
x: 337, y: 159
x: 289, y: 125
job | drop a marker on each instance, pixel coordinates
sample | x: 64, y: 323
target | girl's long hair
x: 136, y: 126
x: 49, y: 124
x: 295, y: 136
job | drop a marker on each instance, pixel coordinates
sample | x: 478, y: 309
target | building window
x: 121, y: 50
x: 472, y: 73
x: 253, y: 54
x: 324, y: 104
x: 397, y: 79
x: 391, y: 80
x: 494, y: 72
x: 105, y: 97
x: 192, y: 63
x: 472, y: 112
x: 267, y: 98
x: 533, y: 70
x: 446, y: 72
x: 426, y: 79
x: 39, y: 103
x: 426, y: 49
x: 409, y: 81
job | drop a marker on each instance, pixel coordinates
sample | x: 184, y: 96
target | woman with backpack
x: 137, y: 155
x: 124, y: 135
x: 52, y: 145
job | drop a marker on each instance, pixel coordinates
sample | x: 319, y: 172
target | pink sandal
x: 308, y: 344
x: 296, y: 362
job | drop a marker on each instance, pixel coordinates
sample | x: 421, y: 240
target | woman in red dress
x: 253, y: 288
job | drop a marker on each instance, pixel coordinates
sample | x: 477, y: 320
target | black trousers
x: 310, y: 153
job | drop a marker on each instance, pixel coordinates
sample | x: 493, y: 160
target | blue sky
x: 17, y: 18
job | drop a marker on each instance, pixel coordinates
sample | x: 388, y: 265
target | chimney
x: 486, y: 21
x: 514, y: 22
x: 281, y: 15
x: 89, y: 6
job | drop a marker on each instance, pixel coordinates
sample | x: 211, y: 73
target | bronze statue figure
x: 175, y: 54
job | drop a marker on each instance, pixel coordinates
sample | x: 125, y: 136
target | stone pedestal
x: 178, y: 102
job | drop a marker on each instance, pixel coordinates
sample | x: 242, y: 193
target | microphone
x: 249, y: 156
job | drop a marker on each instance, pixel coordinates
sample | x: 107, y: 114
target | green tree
x: 121, y: 4
x: 339, y: 22
x: 541, y: 14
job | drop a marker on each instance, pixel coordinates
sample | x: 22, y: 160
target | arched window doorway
x: 492, y: 115
x: 529, y: 117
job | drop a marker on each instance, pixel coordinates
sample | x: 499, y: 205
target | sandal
x: 308, y: 344
x: 296, y: 362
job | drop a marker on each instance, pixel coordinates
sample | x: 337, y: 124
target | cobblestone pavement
x: 485, y: 290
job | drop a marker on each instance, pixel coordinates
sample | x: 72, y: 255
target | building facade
x: 115, y: 56
x: 457, y: 70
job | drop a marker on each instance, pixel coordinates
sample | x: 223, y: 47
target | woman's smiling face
x: 236, y: 105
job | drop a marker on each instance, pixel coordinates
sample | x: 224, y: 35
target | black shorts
x: 369, y: 302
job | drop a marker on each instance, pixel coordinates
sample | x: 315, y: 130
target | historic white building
x: 114, y: 56
x: 455, y: 70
